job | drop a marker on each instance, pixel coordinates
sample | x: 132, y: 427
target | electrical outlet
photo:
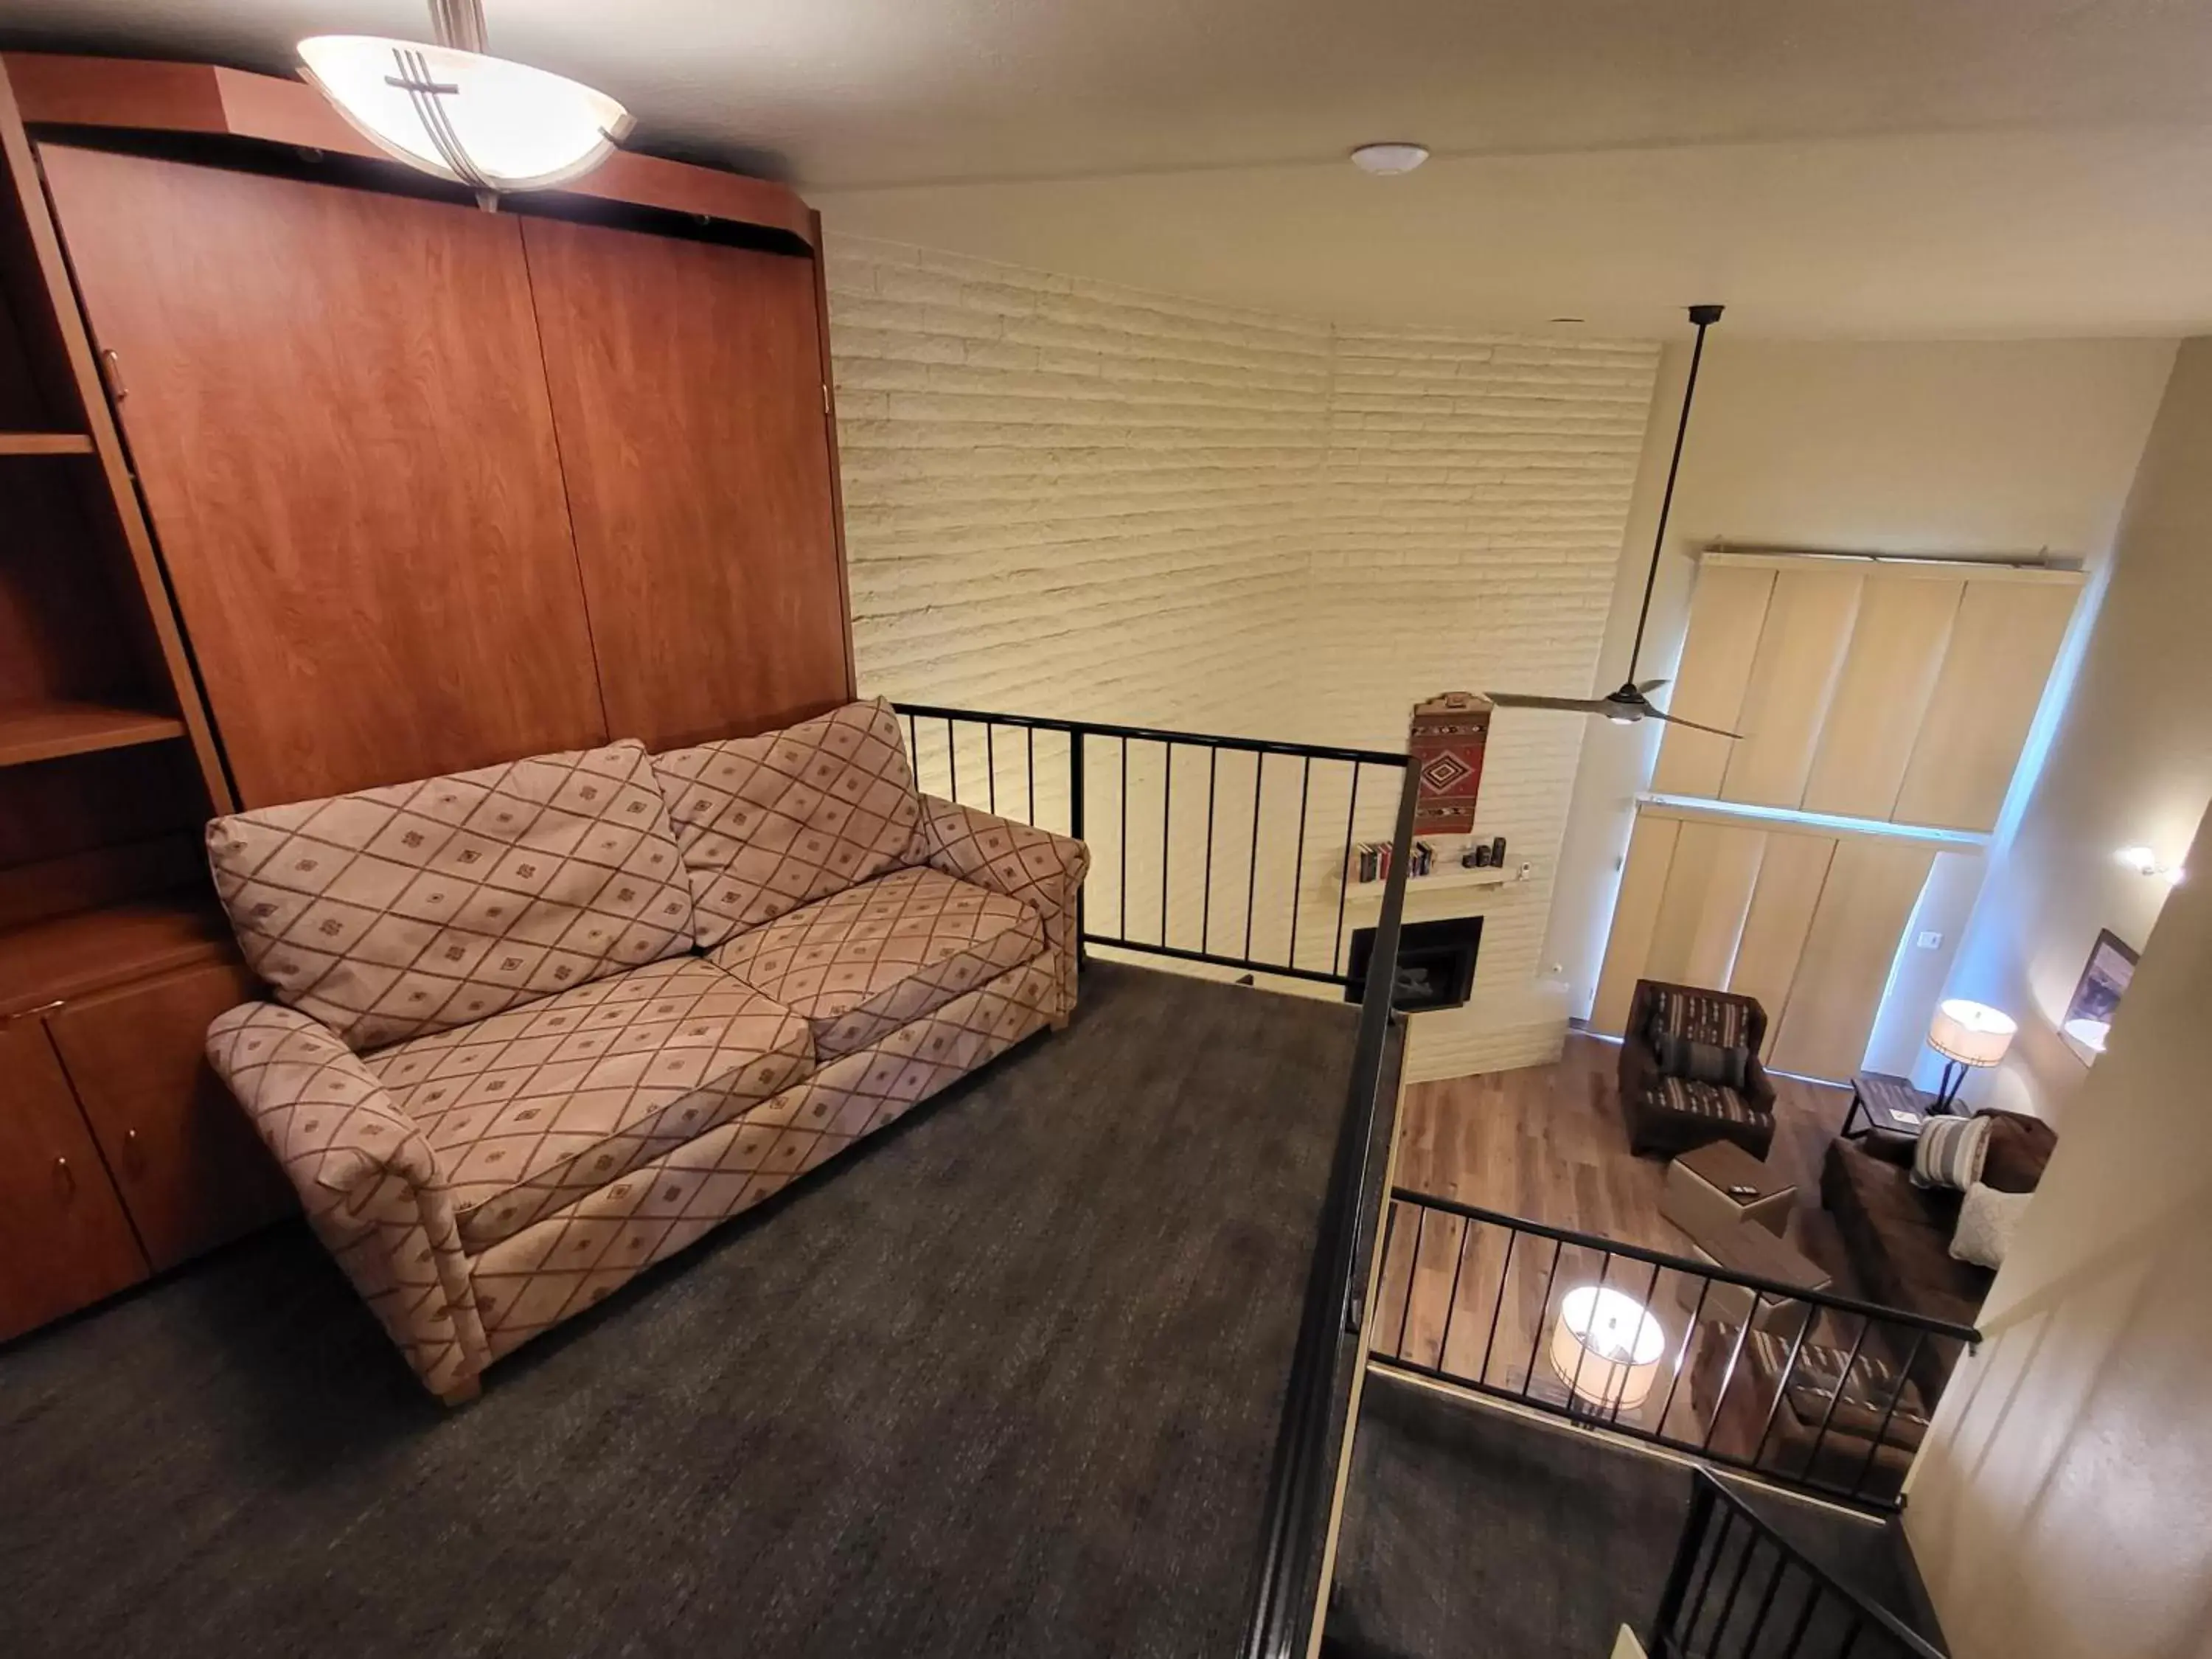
x: 1929, y: 939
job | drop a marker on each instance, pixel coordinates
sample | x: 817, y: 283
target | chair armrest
x: 1758, y: 1087
x: 1017, y: 860
x: 367, y: 1177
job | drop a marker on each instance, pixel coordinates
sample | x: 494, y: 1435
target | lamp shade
x: 1972, y: 1033
x: 1606, y: 1348
x: 484, y: 122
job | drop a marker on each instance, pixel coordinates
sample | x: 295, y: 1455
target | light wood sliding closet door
x: 1898, y: 692
x: 1807, y: 923
x: 1844, y: 965
x: 337, y: 410
x: 2003, y: 643
x: 687, y: 387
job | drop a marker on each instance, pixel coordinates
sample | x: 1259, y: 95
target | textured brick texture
x: 1070, y: 498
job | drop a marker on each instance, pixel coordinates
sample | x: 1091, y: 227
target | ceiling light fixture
x: 488, y: 123
x: 1388, y: 161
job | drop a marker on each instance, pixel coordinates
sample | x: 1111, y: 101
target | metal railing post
x: 1678, y: 1576
x: 1075, y: 759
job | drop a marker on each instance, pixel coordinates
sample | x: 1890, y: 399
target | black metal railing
x: 1739, y: 1590
x: 1812, y: 1390
x: 1316, y: 1423
x: 1214, y: 849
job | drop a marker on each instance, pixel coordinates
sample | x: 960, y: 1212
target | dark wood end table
x: 1883, y: 1101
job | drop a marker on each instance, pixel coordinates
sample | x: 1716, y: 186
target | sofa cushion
x: 866, y: 961
x: 2019, y: 1147
x: 395, y: 912
x: 1707, y: 1016
x: 531, y: 1110
x: 771, y: 822
x: 1898, y: 1237
x: 1683, y: 1097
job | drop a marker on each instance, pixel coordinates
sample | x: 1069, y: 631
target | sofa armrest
x: 367, y: 1177
x: 1019, y: 860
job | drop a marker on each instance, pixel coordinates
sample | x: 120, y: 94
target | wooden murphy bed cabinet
x: 313, y: 476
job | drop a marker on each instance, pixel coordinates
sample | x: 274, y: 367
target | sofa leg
x: 1058, y: 1023
x: 462, y: 1392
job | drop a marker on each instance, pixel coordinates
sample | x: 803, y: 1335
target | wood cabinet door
x: 64, y: 1241
x: 336, y: 406
x: 687, y: 386
x: 192, y: 1172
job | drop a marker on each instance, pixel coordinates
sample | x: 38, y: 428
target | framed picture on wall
x: 2103, y: 981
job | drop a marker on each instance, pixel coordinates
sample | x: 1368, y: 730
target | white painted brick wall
x: 1066, y: 497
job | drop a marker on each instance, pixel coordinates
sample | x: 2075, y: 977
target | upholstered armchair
x: 1666, y: 1108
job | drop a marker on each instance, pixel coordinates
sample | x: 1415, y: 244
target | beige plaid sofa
x: 538, y: 1026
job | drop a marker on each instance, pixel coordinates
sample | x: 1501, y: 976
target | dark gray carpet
x: 1005, y: 1380
x: 1472, y: 1533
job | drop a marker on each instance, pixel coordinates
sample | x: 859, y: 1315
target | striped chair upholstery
x: 1670, y: 1115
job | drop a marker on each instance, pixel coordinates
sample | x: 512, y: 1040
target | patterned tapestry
x: 1446, y: 741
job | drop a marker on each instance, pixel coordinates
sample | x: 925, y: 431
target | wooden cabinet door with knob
x: 192, y: 1170
x: 65, y: 1240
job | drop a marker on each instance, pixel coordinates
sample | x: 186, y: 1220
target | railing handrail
x: 1708, y: 1489
x: 1302, y: 1485
x: 1712, y: 1270
x: 1157, y: 734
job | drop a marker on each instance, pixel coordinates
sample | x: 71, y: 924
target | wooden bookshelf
x: 53, y: 960
x: 43, y: 732
x: 46, y: 443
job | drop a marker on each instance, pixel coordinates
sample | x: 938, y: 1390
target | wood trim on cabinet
x: 107, y: 443
x: 55, y: 89
x: 836, y: 464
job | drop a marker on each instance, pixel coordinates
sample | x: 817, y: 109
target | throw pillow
x: 1988, y: 1220
x: 2019, y: 1148
x: 1703, y: 1062
x: 1950, y: 1152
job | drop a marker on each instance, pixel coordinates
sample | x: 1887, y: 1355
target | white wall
x: 2130, y: 761
x: 2063, y: 1507
x: 1956, y: 449
x: 1071, y: 498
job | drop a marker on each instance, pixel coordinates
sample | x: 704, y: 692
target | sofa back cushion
x: 396, y: 912
x: 2019, y: 1147
x: 771, y: 822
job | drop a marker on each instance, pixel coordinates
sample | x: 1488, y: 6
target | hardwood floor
x: 1547, y: 1144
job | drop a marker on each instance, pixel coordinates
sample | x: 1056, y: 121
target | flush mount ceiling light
x: 1386, y: 160
x: 450, y: 110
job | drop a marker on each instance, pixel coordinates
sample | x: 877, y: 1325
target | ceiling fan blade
x: 1570, y: 705
x: 1649, y: 686
x: 1676, y: 719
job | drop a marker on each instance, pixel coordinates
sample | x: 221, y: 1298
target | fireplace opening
x: 1436, y: 964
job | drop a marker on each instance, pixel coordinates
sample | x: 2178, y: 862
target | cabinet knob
x: 65, y: 1178
x: 111, y: 370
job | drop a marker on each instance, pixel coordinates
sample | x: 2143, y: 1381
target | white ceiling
x: 1826, y: 167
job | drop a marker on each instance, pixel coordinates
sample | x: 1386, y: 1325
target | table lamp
x: 1606, y: 1348
x: 1967, y: 1035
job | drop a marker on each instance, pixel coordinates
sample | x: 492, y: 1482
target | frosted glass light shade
x: 1606, y: 1348
x: 484, y: 122
x: 1972, y: 1033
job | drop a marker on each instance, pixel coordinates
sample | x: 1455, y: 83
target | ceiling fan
x: 1632, y: 701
